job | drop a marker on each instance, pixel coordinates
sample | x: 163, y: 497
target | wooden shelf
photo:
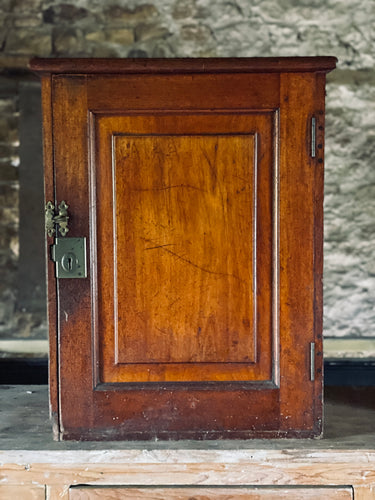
x: 32, y: 463
x: 349, y: 424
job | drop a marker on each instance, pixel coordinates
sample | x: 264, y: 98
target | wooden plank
x: 299, y: 247
x: 173, y: 468
x: 186, y: 65
x: 364, y: 492
x: 246, y: 493
x: 182, y: 92
x: 20, y: 491
x: 57, y: 492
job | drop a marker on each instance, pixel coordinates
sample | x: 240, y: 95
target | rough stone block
x: 29, y: 41
x: 68, y: 41
x: 8, y: 195
x: 8, y: 173
x: 25, y: 5
x: 64, y: 13
x: 103, y: 51
x: 121, y: 36
x: 117, y: 14
x: 8, y: 129
x: 27, y: 21
x: 145, y: 32
x: 183, y: 9
x: 95, y: 36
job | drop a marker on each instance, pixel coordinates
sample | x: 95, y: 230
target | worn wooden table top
x: 25, y: 425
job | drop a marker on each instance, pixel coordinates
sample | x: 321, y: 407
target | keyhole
x: 69, y: 262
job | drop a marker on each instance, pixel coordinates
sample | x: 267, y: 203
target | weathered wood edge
x: 183, y: 65
x: 63, y: 470
x: 49, y: 193
x: 161, y: 457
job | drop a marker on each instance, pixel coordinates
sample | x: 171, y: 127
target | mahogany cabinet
x: 194, y: 188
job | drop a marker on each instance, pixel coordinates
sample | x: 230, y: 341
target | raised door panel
x: 193, y: 493
x: 185, y: 264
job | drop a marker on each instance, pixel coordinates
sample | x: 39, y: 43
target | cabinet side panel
x: 49, y: 191
x: 297, y: 250
x: 318, y: 247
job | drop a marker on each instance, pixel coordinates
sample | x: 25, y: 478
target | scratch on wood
x: 179, y: 257
x: 163, y: 188
x: 160, y: 246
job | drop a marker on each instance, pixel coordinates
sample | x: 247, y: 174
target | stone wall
x: 9, y: 203
x: 180, y: 28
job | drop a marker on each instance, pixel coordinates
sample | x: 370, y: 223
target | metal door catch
x: 69, y: 255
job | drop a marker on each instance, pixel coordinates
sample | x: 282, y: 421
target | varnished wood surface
x: 107, y: 334
x: 49, y: 189
x: 300, y: 253
x: 189, y: 261
x: 187, y: 65
x: 184, y: 208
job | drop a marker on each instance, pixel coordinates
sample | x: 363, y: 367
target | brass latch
x: 69, y: 254
x: 60, y: 220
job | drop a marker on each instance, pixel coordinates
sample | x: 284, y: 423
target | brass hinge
x: 313, y: 137
x: 312, y: 361
x: 60, y: 219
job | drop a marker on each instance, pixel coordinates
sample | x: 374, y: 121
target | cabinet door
x: 175, y: 181
x: 245, y: 493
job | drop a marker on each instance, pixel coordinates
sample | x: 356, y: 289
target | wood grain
x: 185, y: 65
x: 184, y: 210
x: 23, y: 492
x: 299, y: 262
x: 203, y: 210
x: 328, y: 470
x: 256, y: 91
x: 206, y: 205
x: 49, y: 192
x: 210, y: 493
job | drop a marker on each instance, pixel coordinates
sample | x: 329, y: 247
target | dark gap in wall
x: 343, y: 373
x: 24, y: 371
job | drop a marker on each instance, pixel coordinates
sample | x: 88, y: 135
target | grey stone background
x: 181, y: 28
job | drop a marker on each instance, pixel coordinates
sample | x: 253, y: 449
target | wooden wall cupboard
x: 198, y: 187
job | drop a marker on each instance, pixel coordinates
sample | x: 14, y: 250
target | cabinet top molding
x: 185, y: 65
